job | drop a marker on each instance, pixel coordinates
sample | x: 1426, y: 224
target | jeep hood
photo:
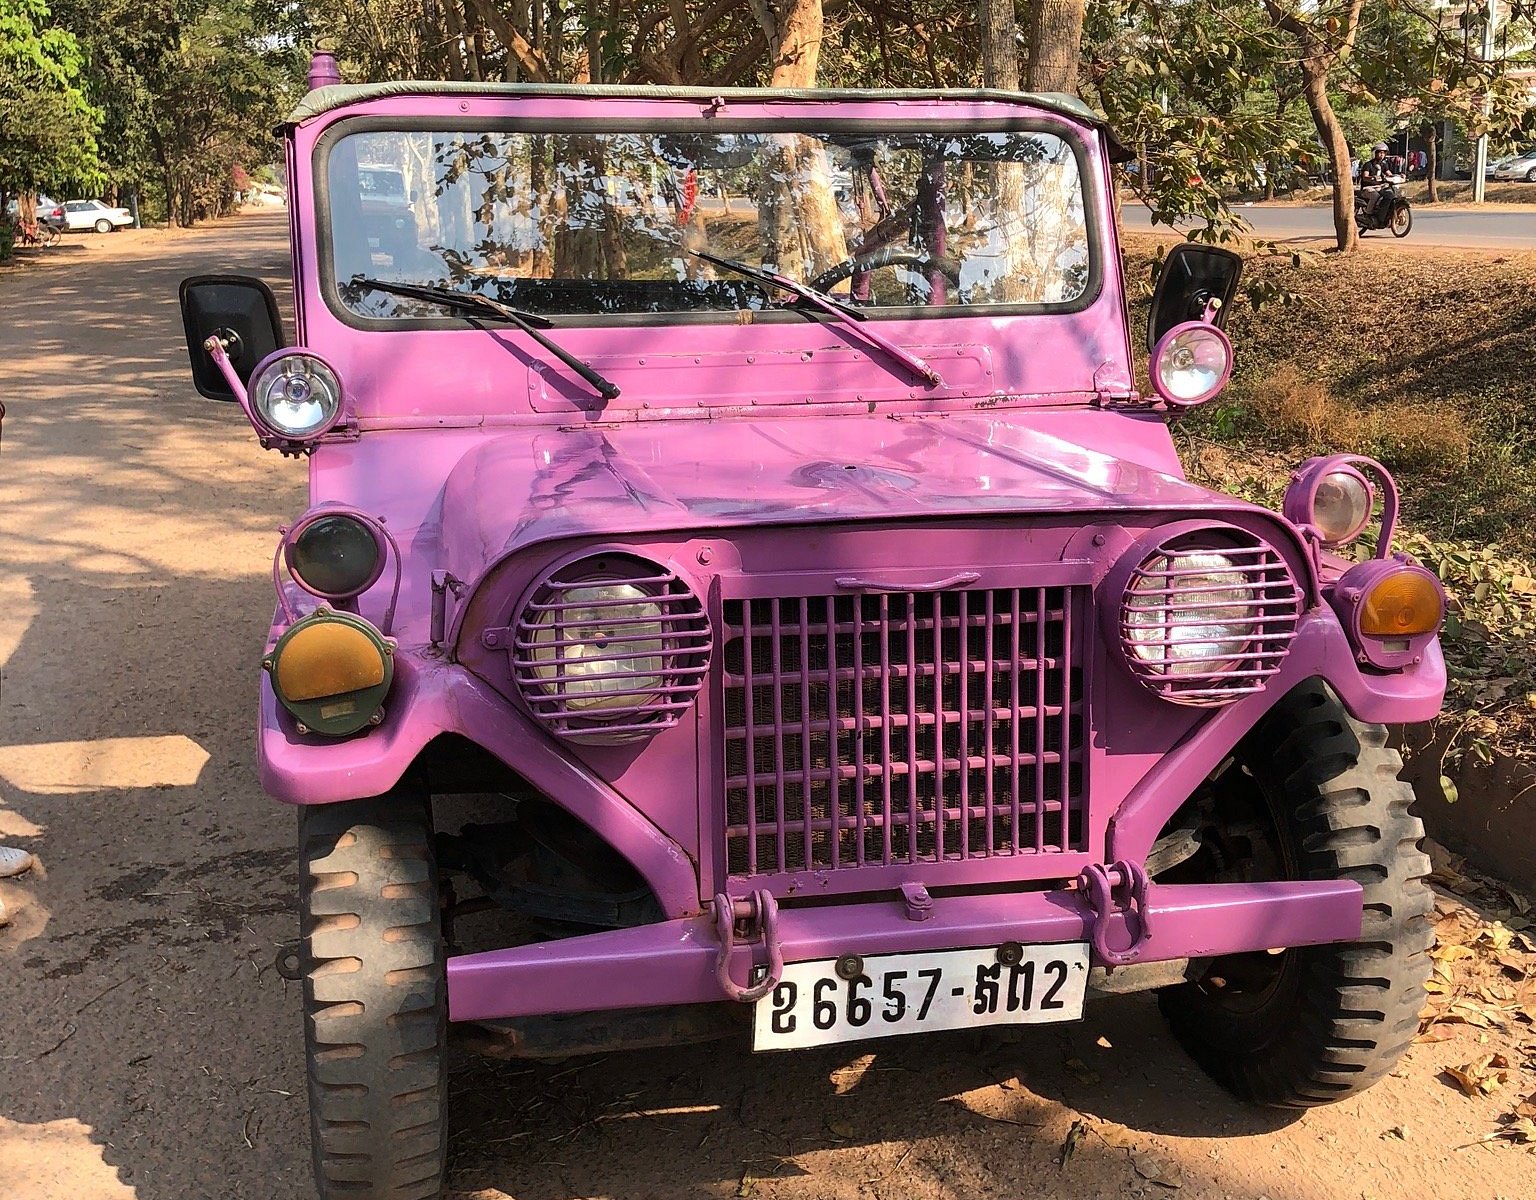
x: 517, y: 490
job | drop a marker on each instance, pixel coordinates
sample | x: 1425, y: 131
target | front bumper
x: 676, y: 962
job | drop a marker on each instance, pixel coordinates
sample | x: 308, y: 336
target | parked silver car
x: 1520, y: 167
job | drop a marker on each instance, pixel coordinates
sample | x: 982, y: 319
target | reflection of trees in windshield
x: 595, y: 222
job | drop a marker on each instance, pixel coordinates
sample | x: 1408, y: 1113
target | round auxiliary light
x: 295, y: 395
x: 331, y: 671
x: 1334, y: 499
x: 335, y: 556
x: 1191, y: 363
x: 1207, y: 614
x: 1341, y: 505
x: 609, y: 648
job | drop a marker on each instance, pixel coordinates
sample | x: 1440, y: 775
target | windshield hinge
x: 1120, y: 398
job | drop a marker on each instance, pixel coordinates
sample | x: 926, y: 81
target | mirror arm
x: 218, y: 351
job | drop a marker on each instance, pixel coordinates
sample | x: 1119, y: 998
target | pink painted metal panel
x: 674, y: 962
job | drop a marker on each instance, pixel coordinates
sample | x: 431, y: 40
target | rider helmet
x: 1379, y: 148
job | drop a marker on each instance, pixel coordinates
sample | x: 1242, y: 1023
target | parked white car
x: 93, y: 214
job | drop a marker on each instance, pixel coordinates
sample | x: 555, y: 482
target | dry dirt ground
x: 148, y: 1050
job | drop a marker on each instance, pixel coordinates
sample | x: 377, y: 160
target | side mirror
x: 243, y: 312
x: 1193, y: 275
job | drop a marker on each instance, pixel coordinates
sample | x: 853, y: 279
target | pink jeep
x: 749, y: 498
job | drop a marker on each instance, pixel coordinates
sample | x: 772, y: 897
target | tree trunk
x: 793, y: 29
x: 798, y: 220
x: 999, y: 45
x: 1055, y: 40
x: 1000, y: 69
x: 1314, y: 80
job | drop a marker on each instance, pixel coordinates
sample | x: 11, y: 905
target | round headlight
x: 610, y: 647
x: 335, y: 556
x: 1191, y: 364
x: 295, y: 395
x: 1190, y: 613
x: 603, y: 650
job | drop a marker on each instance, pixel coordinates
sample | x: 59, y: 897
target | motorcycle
x: 1391, y: 209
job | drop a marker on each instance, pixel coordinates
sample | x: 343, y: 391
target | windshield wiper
x: 484, y: 306
x: 845, y: 314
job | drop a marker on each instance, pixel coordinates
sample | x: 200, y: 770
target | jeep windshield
x: 597, y: 224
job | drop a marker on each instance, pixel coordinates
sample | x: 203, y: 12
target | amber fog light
x: 1391, y: 608
x: 331, y: 671
x: 1404, y: 604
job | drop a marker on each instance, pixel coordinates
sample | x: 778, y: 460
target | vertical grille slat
x: 899, y: 727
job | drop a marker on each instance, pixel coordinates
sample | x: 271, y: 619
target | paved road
x: 1486, y: 230
x: 148, y: 1051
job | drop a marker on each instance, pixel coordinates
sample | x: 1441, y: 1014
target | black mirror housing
x: 1193, y: 275
x: 240, y: 309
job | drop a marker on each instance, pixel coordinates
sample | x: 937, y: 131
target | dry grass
x: 1300, y: 411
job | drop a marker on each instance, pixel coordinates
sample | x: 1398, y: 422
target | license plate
x: 915, y: 993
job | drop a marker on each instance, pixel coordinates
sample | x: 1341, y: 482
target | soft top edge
x: 342, y: 95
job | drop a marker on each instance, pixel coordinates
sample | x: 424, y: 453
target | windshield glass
x: 609, y: 223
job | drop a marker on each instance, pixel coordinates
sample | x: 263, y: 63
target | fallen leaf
x: 1157, y: 1170
x: 1075, y: 1134
x: 1452, y: 952
x: 1430, y: 1036
x: 1400, y: 1132
x: 850, y: 1075
x: 1481, y: 1076
x: 747, y: 1185
x: 840, y: 1129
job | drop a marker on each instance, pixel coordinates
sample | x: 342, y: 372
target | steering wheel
x: 892, y: 256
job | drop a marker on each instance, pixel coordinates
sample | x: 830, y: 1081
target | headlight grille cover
x: 610, y: 648
x: 1207, y: 617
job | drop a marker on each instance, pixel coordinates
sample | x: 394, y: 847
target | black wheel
x: 1402, y: 221
x: 891, y: 256
x: 103, y: 226
x: 1313, y: 794
x: 375, y: 998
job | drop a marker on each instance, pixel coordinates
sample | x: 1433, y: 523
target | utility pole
x: 1480, y: 164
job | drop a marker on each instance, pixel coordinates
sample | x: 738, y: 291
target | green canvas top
x: 328, y: 99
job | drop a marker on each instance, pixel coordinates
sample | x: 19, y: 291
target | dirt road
x: 149, y: 1051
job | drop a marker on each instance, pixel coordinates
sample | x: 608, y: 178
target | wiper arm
x: 484, y: 306
x: 845, y: 314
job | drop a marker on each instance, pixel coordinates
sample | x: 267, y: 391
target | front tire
x: 375, y: 998
x: 103, y: 226
x: 1402, y: 221
x: 1316, y: 1024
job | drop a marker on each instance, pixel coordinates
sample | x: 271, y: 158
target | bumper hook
x: 1119, y: 888
x: 759, y: 914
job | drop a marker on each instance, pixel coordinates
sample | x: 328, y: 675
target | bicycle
x: 37, y: 233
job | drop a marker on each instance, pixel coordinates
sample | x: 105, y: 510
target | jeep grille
x: 892, y: 728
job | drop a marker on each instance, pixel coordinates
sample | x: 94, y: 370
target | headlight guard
x: 1203, y: 614
x: 609, y: 648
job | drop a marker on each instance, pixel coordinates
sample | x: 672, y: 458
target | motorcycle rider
x: 1373, y: 182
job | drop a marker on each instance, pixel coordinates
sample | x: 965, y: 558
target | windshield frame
x: 1028, y: 123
